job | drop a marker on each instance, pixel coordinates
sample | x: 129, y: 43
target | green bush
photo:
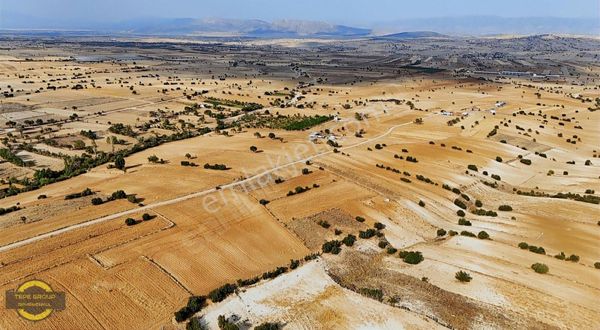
x: 540, y: 268
x: 194, y: 324
x: 360, y: 219
x: 478, y: 203
x: 472, y: 167
x: 499, y: 159
x: 525, y: 161
x: 219, y: 294
x: 460, y: 213
x: 573, y: 258
x: 267, y: 326
x: 382, y: 244
x: 183, y: 314
x: 460, y: 204
x: 367, y: 233
x: 464, y: 222
x: 441, y: 232
x: 379, y: 226
x: 560, y: 256
x: 333, y: 247
x: 391, y: 250
x: 523, y: 245
x: 467, y: 233
x: 597, y: 265
x: 452, y: 233
x: 413, y: 257
x: 421, y: 203
x: 463, y: 276
x: 536, y: 249
x: 483, y: 235
x: 146, y: 217
x: 97, y: 201
x: 505, y: 208
x: 225, y: 324
x: 349, y: 240
x: 130, y: 221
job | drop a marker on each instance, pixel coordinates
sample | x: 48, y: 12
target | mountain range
x: 457, y: 26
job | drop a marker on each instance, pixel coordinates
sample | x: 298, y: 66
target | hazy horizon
x: 459, y: 17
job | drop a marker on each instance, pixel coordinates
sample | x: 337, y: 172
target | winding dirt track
x: 186, y: 197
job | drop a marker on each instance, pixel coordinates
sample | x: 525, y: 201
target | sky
x: 349, y: 12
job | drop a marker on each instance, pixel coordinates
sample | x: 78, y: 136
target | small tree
x: 540, y: 268
x: 463, y: 276
x: 120, y: 162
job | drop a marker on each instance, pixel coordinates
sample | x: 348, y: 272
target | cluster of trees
x: 532, y: 248
x: 122, y: 129
x: 85, y: 192
x: 220, y: 167
x: 10, y: 157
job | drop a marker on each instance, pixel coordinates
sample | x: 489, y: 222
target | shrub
x: 225, y: 324
x: 597, y: 265
x: 467, y: 233
x: 195, y: 303
x: 337, y: 231
x: 367, y: 233
x: 97, y: 201
x: 294, y: 264
x: 538, y: 250
x: 463, y: 276
x: 391, y: 250
x: 523, y: 245
x: 382, y: 244
x: 132, y: 199
x: 464, y: 222
x: 525, y: 161
x: 499, y: 159
x: 460, y: 204
x: 267, y: 326
x: 194, y: 324
x: 333, y: 247
x: 421, y: 203
x: 472, y: 167
x: 478, y: 203
x: 183, y: 314
x: 460, y: 213
x: 441, y: 232
x: 452, y: 233
x: 324, y: 224
x: 540, y: 268
x: 146, y: 217
x: 219, y: 294
x: 483, y: 235
x: 573, y: 257
x: 263, y: 202
x: 378, y: 225
x: 496, y: 177
x: 412, y: 257
x: 349, y: 240
x: 560, y: 256
x: 360, y: 219
x: 506, y: 208
x: 130, y: 221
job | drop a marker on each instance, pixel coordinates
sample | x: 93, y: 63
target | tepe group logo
x: 35, y: 300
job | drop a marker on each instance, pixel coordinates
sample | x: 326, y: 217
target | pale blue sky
x: 361, y: 12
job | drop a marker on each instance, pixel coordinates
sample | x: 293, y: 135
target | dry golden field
x: 421, y: 161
